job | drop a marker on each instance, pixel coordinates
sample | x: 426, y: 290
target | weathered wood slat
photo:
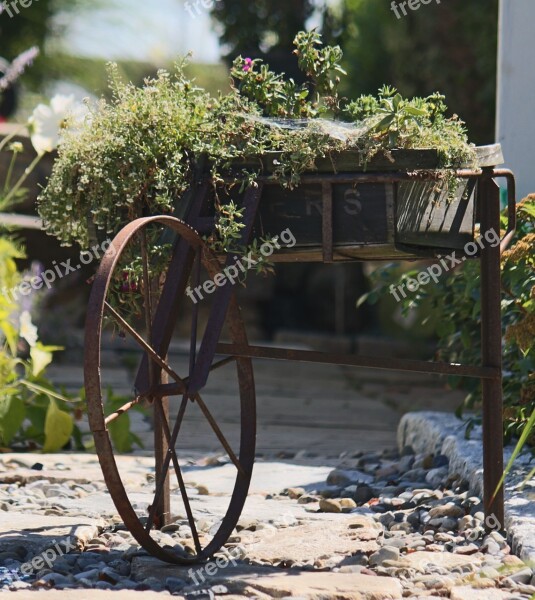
x: 394, y: 160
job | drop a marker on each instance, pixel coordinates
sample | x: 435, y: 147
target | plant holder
x: 398, y: 207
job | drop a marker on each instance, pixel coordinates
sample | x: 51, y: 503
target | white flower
x: 47, y: 122
x: 27, y: 329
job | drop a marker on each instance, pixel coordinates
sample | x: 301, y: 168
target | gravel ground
x: 397, y: 517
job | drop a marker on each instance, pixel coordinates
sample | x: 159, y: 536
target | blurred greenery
x: 450, y: 47
x: 36, y: 25
x: 41, y: 25
x: 262, y: 27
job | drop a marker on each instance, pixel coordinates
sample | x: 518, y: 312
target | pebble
x: 330, y: 506
x: 174, y: 584
x: 295, y: 493
x: 409, y: 500
x: 383, y: 554
x: 522, y: 576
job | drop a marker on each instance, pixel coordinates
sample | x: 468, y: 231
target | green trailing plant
x: 454, y: 305
x: 33, y: 413
x: 139, y: 153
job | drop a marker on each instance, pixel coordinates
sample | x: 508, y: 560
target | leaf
x: 120, y: 433
x: 385, y: 123
x: 58, y: 428
x: 39, y: 389
x: 518, y: 448
x: 12, y: 415
x: 528, y: 208
x: 415, y: 112
x: 41, y: 357
x: 11, y: 335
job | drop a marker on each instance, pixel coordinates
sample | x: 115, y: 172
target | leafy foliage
x: 456, y: 309
x: 32, y: 411
x: 139, y: 153
x: 416, y: 123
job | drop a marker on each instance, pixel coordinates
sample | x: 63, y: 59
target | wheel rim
x: 243, y: 459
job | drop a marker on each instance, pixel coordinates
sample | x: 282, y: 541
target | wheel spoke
x: 219, y: 434
x: 180, y: 479
x: 195, y: 316
x: 171, y: 389
x: 157, y: 358
x: 147, y: 300
x: 165, y: 466
x: 121, y: 411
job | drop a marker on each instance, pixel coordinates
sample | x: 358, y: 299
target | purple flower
x: 248, y: 64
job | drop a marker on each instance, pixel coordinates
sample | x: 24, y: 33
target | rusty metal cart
x: 397, y: 208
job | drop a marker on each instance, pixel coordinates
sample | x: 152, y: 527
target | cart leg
x: 163, y: 510
x: 491, y: 341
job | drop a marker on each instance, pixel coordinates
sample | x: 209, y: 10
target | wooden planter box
x: 408, y: 219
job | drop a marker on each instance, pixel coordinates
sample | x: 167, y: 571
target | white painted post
x: 515, y: 119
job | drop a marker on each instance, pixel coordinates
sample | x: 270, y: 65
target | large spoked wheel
x: 143, y: 295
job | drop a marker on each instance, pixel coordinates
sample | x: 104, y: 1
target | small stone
x: 466, y: 550
x: 90, y: 575
x: 444, y: 523
x: 489, y: 573
x: 296, y: 493
x: 512, y: 561
x: 247, y: 524
x: 383, y: 554
x: 219, y: 589
x: 202, y: 490
x: 363, y: 493
x: 446, y: 510
x: 465, y: 523
x: 387, y: 471
x: 109, y: 575
x: 347, y: 504
x: 307, y: 499
x: 522, y: 576
x: 387, y: 518
x: 330, y: 506
x: 435, y: 477
x: 352, y: 569
x: 490, y: 546
x: 175, y: 584
x: 172, y: 528
x: 331, y: 492
x: 440, y: 461
x: 37, y: 466
x: 153, y: 584
x: 343, y: 478
x: 103, y: 585
x: 55, y: 579
x: 407, y: 451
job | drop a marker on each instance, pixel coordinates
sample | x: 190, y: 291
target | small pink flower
x: 248, y: 64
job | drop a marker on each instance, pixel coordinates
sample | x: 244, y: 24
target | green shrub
x: 454, y: 305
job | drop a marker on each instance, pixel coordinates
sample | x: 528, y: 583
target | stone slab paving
x: 370, y: 526
x: 438, y: 432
